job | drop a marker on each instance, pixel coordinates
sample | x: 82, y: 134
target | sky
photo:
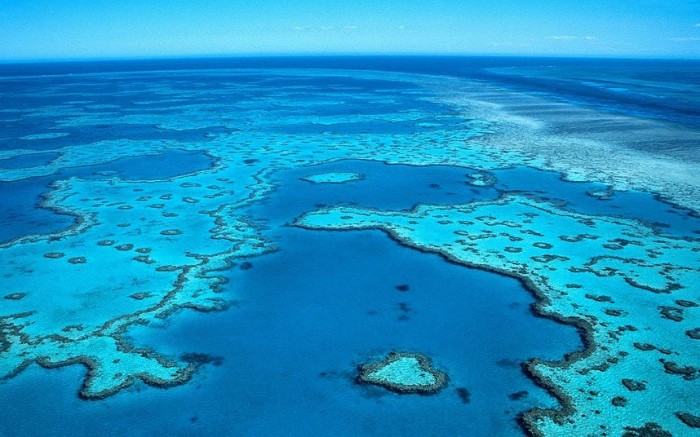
x: 80, y: 29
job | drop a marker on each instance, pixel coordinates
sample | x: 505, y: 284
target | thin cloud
x: 325, y: 28
x: 685, y: 39
x: 572, y: 38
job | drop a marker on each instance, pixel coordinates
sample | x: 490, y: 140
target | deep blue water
x: 100, y: 132
x: 589, y: 81
x: 25, y: 161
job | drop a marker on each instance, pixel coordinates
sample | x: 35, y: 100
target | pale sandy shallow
x: 584, y: 144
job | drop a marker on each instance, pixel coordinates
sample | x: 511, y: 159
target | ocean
x: 222, y: 245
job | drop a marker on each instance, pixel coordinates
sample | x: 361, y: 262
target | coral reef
x: 332, y: 178
x: 404, y: 373
x: 634, y: 354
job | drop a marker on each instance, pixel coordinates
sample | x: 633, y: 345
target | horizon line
x: 281, y: 55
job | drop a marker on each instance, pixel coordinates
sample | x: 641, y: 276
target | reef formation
x: 332, y: 178
x: 630, y: 290
x: 140, y: 251
x: 404, y: 373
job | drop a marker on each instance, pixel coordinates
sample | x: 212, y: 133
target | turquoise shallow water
x: 172, y: 269
x: 637, y: 205
x: 19, y: 199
